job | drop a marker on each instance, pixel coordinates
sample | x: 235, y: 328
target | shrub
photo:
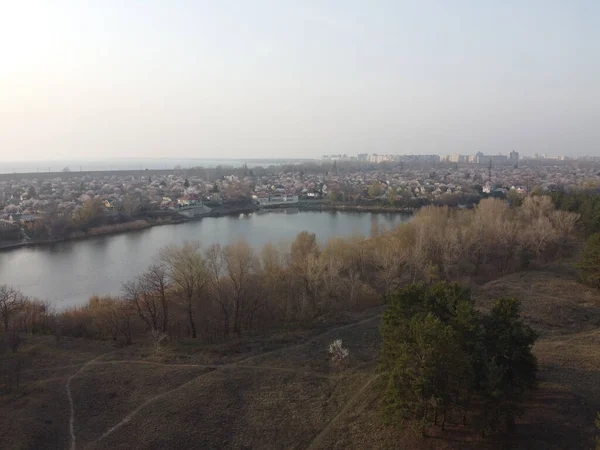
x: 339, y: 354
x: 158, y: 338
x: 13, y: 340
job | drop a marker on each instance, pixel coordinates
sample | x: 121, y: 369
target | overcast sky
x: 277, y: 78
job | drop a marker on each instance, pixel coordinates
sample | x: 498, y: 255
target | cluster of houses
x: 23, y: 199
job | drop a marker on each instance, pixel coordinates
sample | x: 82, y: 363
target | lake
x: 68, y: 273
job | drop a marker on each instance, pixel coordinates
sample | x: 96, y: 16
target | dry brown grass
x: 103, y: 393
x: 552, y: 301
x: 36, y: 414
x: 176, y: 399
x: 362, y: 339
x: 234, y: 408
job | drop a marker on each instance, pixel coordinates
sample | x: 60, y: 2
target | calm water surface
x: 68, y: 273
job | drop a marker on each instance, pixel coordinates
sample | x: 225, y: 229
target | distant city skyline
x: 117, y: 163
x: 168, y: 163
x: 283, y: 79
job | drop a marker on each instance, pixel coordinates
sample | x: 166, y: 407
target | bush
x: 158, y: 338
x: 101, y: 318
x: 13, y: 340
x: 339, y: 354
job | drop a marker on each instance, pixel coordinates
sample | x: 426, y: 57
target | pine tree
x: 589, y: 266
x: 598, y: 426
x: 428, y: 367
x: 425, y: 352
x: 509, y: 366
x: 439, y: 354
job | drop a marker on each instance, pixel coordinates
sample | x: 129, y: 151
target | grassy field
x: 282, y: 392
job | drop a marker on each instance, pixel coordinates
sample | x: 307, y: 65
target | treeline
x: 399, y: 198
x: 219, y: 291
x: 92, y: 219
x: 55, y: 224
x: 444, y: 363
x: 462, y: 245
x: 585, y: 202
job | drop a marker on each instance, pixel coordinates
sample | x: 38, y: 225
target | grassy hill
x: 566, y: 314
x: 282, y: 392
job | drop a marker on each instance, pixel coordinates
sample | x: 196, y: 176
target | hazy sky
x: 268, y: 78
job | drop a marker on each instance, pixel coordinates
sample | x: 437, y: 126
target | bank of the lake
x: 133, y: 225
x: 67, y: 273
x: 312, y: 205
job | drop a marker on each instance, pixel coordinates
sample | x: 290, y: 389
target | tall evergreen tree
x: 589, y: 266
x: 510, y: 366
x: 598, y: 426
x: 428, y: 368
x: 440, y: 355
x: 428, y: 333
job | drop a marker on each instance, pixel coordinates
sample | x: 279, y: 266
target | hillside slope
x: 566, y: 314
x: 283, y: 393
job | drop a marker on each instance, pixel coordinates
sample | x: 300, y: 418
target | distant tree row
x: 444, y: 363
x: 378, y: 193
x: 56, y: 223
x: 585, y: 202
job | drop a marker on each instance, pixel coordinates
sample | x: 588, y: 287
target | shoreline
x: 50, y: 242
x: 219, y: 211
x: 149, y: 223
x: 317, y: 205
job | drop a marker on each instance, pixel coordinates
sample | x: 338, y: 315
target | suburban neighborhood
x: 28, y: 200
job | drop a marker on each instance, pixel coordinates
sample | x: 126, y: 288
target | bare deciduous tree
x: 339, y: 354
x: 149, y: 293
x: 241, y: 262
x: 11, y: 301
x: 188, y: 275
x: 389, y: 259
x: 215, y: 266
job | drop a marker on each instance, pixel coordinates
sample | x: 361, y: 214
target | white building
x: 273, y: 200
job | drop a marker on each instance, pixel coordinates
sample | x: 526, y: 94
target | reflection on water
x: 67, y: 273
